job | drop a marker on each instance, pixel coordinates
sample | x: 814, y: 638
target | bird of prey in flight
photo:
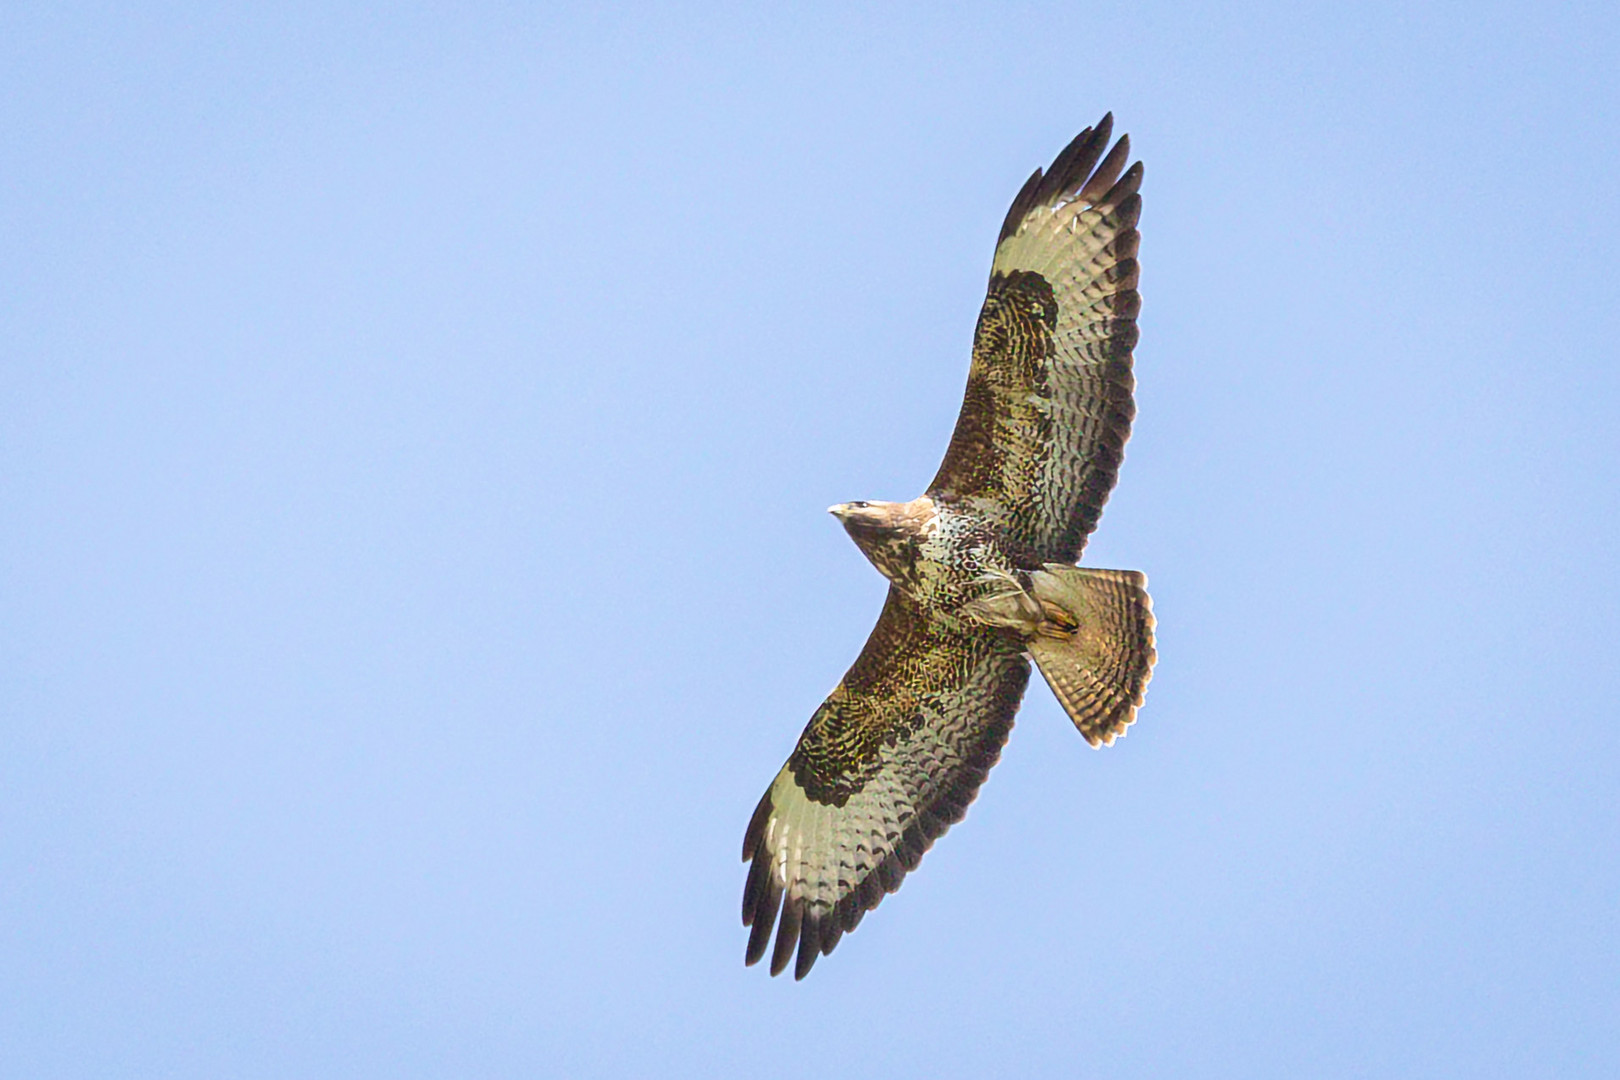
x: 981, y: 574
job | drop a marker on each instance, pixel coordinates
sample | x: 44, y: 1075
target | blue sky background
x: 418, y: 424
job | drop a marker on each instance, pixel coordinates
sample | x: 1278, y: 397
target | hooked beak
x: 839, y: 510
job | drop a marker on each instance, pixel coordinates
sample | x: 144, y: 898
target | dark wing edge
x: 839, y: 830
x: 1049, y: 401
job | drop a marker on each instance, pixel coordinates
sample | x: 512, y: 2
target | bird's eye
x: 860, y: 505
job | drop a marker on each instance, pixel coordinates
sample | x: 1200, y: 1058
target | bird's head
x: 868, y: 518
x: 882, y: 529
x: 868, y: 513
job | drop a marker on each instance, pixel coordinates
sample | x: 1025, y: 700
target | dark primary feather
x: 1021, y: 203
x: 1067, y: 170
x: 1075, y: 162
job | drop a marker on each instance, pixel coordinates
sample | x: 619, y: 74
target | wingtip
x: 1107, y: 172
x: 756, y: 826
x: 1020, y: 205
x: 809, y: 947
x: 1082, y: 168
x: 787, y: 937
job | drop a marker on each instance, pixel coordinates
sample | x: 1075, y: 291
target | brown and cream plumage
x: 981, y: 575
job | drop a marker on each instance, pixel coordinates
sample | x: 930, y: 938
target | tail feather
x: 1095, y: 648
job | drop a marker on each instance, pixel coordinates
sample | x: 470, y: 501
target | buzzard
x: 981, y: 574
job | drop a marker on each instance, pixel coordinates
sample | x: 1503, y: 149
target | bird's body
x: 940, y: 556
x: 981, y: 575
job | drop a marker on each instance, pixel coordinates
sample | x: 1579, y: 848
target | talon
x: 1058, y: 624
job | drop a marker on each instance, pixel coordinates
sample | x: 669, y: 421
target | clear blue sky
x: 418, y: 425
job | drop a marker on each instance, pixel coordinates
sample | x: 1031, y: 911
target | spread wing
x: 889, y: 761
x: 1048, y: 406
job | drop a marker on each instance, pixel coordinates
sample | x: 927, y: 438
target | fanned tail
x: 1095, y: 647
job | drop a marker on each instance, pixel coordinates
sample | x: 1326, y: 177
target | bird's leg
x: 1006, y: 603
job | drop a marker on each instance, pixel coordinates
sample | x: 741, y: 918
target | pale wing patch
x: 1052, y: 237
